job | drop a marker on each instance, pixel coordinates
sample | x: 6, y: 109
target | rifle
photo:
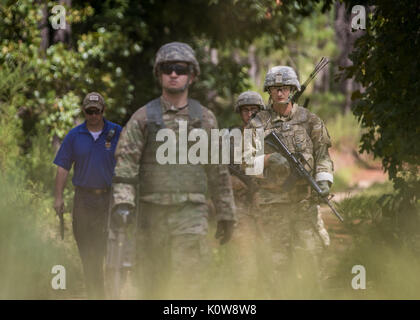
x: 298, y: 169
x: 119, y: 259
x: 60, y: 214
x: 319, y: 66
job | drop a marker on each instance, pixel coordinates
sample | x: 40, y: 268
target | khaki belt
x: 94, y: 191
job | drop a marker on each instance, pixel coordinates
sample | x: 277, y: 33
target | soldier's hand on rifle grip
x: 324, y: 185
x: 121, y: 215
x: 224, y: 231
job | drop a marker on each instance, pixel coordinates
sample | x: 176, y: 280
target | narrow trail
x: 362, y: 180
x: 364, y: 173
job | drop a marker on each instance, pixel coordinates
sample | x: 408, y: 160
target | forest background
x: 367, y: 96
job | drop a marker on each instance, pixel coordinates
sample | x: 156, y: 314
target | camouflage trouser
x: 325, y: 237
x: 171, y: 250
x: 244, y: 250
x: 290, y: 249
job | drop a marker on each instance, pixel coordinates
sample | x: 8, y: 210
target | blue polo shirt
x: 93, y: 161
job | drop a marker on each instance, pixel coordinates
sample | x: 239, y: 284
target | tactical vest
x: 295, y: 133
x: 169, y: 178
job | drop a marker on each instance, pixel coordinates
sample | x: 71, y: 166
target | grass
x: 391, y: 262
x: 29, y: 245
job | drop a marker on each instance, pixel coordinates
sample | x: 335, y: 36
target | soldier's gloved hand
x: 324, y: 185
x: 121, y: 215
x: 278, y: 164
x: 224, y: 230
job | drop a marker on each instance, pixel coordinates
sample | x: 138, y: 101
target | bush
x: 28, y: 226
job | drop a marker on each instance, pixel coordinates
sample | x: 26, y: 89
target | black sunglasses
x: 91, y: 111
x: 179, y: 69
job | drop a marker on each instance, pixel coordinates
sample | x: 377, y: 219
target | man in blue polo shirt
x: 90, y: 147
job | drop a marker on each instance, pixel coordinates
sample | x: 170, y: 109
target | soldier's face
x: 174, y: 77
x: 247, y: 112
x: 280, y: 94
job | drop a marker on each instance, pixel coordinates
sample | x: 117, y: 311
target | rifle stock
x: 118, y: 256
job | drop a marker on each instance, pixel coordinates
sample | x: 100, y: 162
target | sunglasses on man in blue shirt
x: 91, y: 111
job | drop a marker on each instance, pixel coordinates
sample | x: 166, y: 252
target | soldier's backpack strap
x: 195, y: 111
x: 154, y: 116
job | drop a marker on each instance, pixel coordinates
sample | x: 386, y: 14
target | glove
x: 224, y: 231
x: 121, y: 215
x: 324, y: 185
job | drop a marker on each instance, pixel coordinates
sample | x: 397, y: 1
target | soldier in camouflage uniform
x: 244, y: 238
x: 292, y: 245
x: 173, y: 209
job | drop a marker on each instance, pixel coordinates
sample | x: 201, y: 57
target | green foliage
x: 302, y: 51
x: 12, y: 80
x: 113, y: 44
x: 27, y: 249
x: 39, y: 165
x: 10, y: 132
x: 372, y: 207
x: 385, y: 62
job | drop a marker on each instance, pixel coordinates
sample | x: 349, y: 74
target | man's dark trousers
x: 90, y: 214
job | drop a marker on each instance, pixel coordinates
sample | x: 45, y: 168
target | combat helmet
x: 249, y: 98
x: 281, y: 76
x: 176, y: 51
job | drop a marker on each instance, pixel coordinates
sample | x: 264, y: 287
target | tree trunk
x: 44, y: 27
x: 345, y: 40
x: 64, y: 35
x: 253, y: 70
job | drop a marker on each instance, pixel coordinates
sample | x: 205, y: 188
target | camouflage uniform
x: 244, y: 238
x: 173, y: 208
x: 288, y: 222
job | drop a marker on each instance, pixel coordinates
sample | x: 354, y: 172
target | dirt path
x: 365, y: 172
